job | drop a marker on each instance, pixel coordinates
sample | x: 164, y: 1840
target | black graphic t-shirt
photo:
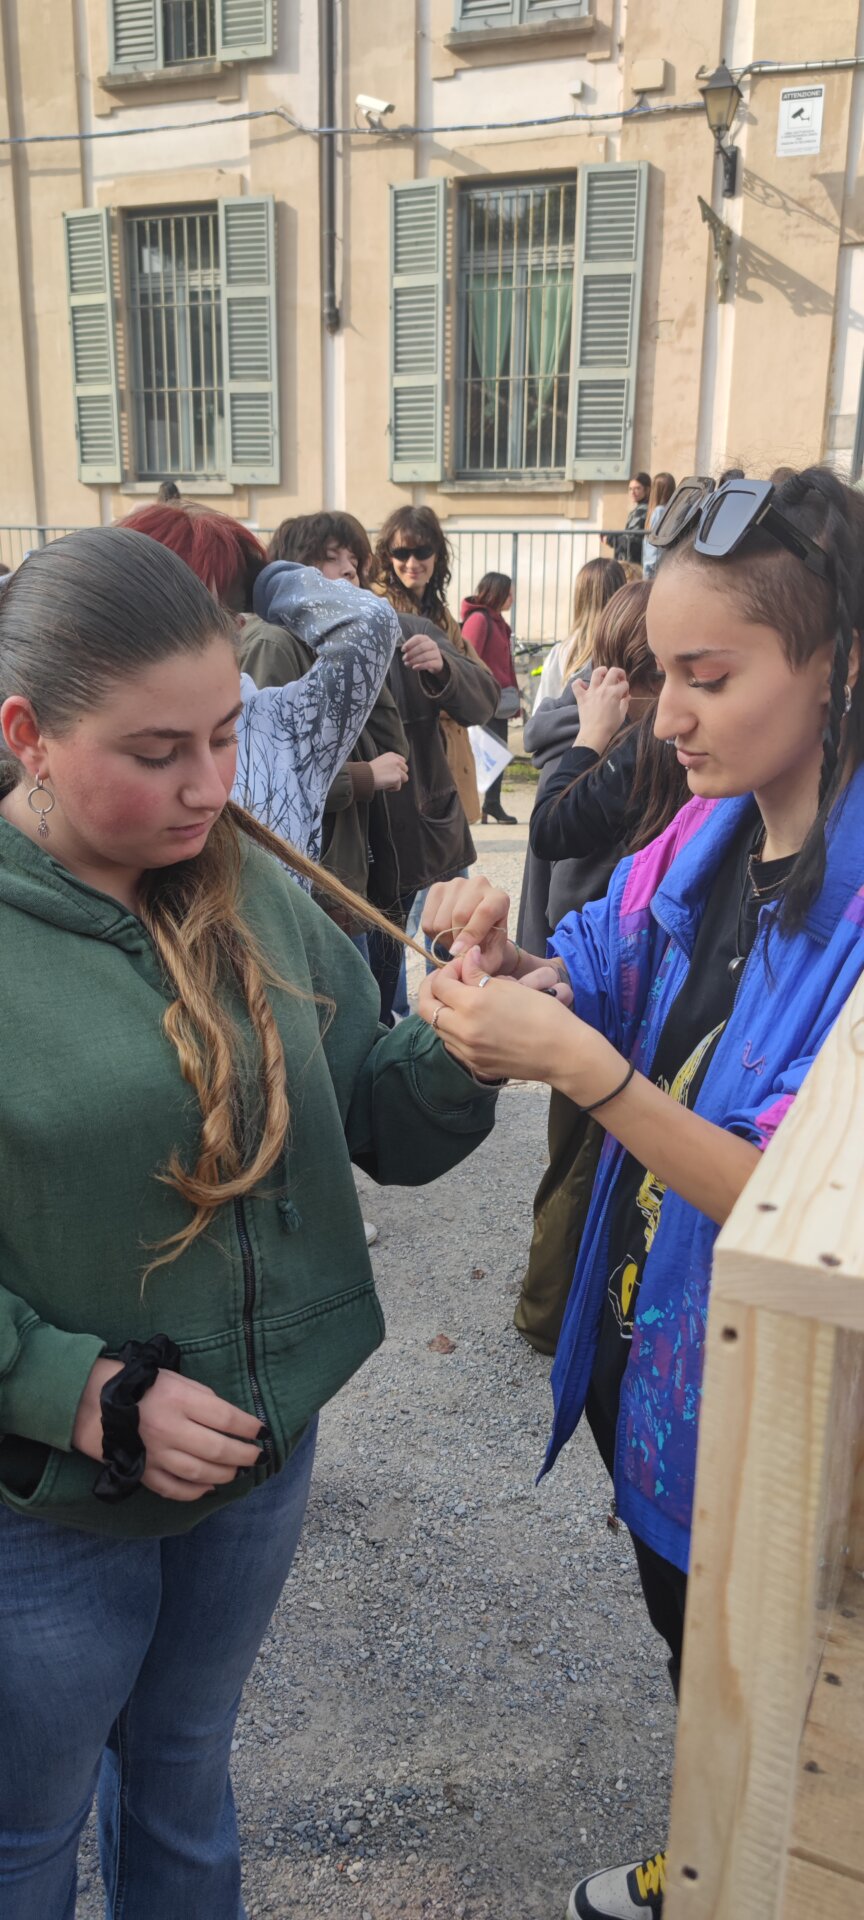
x: 684, y: 1051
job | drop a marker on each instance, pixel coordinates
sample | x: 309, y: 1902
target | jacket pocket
x: 306, y: 1358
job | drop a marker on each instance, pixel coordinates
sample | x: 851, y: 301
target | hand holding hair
x: 500, y: 1032
x: 603, y: 704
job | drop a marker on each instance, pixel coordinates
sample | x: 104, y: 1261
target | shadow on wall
x: 756, y: 268
x: 766, y: 194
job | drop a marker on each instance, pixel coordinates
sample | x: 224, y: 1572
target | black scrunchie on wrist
x: 123, y: 1449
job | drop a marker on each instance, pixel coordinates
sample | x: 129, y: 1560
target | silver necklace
x: 750, y: 891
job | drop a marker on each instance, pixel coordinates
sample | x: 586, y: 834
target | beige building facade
x: 498, y: 296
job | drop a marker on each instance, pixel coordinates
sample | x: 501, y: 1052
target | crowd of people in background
x: 234, y: 782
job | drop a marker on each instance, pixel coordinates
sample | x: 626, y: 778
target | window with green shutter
x: 548, y: 281
x: 248, y: 254
x: 244, y: 29
x: 200, y: 339
x: 149, y: 35
x: 610, y: 247
x: 417, y: 301
x: 475, y: 15
x: 94, y: 361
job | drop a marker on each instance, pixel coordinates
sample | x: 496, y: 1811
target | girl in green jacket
x: 191, y: 1060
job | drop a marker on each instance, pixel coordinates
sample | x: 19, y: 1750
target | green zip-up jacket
x: 274, y: 1307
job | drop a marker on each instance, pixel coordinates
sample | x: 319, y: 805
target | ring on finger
x: 436, y: 1017
x: 484, y: 982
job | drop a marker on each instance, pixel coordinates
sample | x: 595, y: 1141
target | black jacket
x: 547, y: 733
x: 427, y: 819
x: 596, y: 815
x: 628, y: 545
x: 578, y: 840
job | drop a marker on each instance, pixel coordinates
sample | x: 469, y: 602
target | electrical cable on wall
x: 392, y: 133
x: 757, y: 70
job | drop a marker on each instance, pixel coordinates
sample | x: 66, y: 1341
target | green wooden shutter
x: 244, y: 29
x: 94, y: 359
x: 247, y: 254
x: 136, y: 34
x: 514, y: 13
x: 552, y: 10
x: 486, y: 13
x: 609, y: 250
x: 417, y: 297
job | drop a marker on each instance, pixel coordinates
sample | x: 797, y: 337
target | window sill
x: 468, y: 39
x: 121, y: 80
x: 150, y: 488
x: 507, y: 483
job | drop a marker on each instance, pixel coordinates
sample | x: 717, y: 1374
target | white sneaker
x: 370, y: 1232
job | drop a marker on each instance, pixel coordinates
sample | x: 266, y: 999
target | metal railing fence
x: 541, y: 562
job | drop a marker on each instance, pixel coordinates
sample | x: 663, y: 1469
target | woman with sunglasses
x: 702, y: 988
x: 413, y: 564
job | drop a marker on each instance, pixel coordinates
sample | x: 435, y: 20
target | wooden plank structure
x: 768, y: 1802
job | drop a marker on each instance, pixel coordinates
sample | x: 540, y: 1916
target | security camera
x: 373, y: 108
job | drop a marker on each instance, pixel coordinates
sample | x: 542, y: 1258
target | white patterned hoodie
x: 293, y: 740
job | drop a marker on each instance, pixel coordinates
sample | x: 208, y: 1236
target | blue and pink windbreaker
x: 627, y: 957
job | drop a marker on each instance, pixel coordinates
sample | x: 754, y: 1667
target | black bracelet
x: 610, y: 1096
x: 123, y: 1449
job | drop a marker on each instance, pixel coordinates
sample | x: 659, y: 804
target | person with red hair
x: 227, y: 556
x: 292, y: 739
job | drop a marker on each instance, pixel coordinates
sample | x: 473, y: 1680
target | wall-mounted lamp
x: 722, y: 97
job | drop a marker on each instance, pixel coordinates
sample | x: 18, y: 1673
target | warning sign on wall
x: 799, y: 128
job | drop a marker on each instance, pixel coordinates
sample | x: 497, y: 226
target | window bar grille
x: 557, y: 317
x: 175, y: 460
x: 498, y: 362
x: 517, y: 317
x: 177, y: 397
x: 529, y: 383
x: 206, y: 451
x: 189, y: 30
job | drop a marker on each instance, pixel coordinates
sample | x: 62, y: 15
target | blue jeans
x: 122, y: 1664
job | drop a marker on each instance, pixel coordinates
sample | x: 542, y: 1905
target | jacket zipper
x: 248, y: 1308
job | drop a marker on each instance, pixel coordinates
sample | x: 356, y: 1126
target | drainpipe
x: 327, y: 66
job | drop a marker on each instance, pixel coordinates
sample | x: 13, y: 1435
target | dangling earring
x: 847, y: 698
x: 44, y: 804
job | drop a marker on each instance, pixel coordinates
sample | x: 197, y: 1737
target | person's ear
x: 23, y: 735
x: 854, y: 668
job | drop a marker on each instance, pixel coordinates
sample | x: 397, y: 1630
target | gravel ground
x: 460, y: 1705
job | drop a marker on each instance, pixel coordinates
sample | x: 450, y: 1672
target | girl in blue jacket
x: 703, y: 986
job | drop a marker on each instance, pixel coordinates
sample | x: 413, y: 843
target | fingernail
x: 263, y: 1436
x: 456, y: 947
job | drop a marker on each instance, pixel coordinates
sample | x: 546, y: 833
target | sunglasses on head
x: 723, y: 517
x: 411, y: 553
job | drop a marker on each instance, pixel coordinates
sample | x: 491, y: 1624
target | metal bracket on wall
x: 721, y: 241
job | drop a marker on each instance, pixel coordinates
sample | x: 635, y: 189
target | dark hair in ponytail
x: 774, y: 589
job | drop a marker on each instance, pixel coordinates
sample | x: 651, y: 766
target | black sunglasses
x: 411, y: 553
x: 723, y: 517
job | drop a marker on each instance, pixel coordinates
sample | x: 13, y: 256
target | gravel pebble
x: 460, y: 1705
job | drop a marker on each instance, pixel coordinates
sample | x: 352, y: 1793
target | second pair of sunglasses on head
x: 722, y: 517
